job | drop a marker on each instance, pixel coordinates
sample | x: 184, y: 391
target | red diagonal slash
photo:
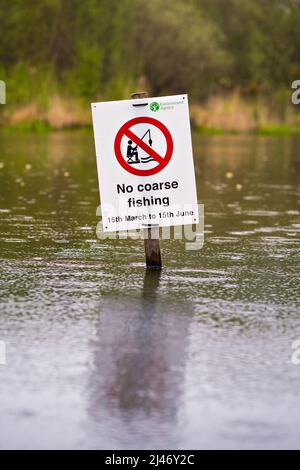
x: 144, y: 146
x: 161, y: 161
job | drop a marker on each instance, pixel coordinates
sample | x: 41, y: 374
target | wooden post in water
x: 151, y: 234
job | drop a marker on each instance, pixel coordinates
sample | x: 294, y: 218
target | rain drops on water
x: 20, y: 181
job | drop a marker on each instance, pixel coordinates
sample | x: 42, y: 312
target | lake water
x: 101, y: 354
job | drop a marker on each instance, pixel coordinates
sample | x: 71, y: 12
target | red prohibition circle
x: 162, y: 160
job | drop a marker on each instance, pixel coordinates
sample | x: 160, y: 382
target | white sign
x: 145, y: 162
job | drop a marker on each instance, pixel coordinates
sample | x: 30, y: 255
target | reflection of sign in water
x: 2, y: 92
x: 132, y: 154
x: 137, y: 382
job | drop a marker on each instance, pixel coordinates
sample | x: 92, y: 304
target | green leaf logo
x: 154, y: 106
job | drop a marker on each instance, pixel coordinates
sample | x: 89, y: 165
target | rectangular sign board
x: 145, y: 163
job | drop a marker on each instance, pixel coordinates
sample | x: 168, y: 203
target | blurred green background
x: 235, y: 58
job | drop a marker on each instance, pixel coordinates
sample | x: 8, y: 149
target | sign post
x: 150, y: 234
x: 145, y: 167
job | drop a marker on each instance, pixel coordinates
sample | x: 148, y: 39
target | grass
x: 220, y: 115
x: 41, y: 127
x: 279, y: 130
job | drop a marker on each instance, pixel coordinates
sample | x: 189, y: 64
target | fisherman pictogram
x: 132, y: 154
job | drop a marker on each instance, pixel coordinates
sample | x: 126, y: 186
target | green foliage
x: 105, y: 48
x: 179, y: 49
x: 262, y: 39
x: 279, y: 130
x: 30, y: 84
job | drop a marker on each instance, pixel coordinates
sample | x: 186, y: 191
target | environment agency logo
x: 154, y: 106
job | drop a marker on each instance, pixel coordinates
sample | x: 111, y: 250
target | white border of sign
x: 164, y: 198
